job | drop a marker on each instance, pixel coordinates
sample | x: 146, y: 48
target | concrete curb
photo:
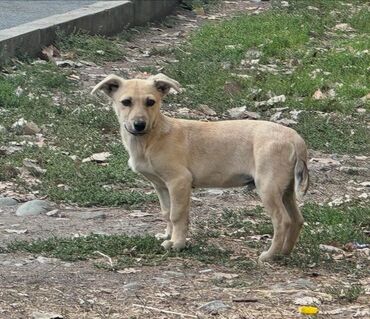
x: 105, y: 18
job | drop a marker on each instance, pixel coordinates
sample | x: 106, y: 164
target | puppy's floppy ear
x: 163, y: 83
x: 109, y: 85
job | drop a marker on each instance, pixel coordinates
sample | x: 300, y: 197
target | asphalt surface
x: 14, y: 13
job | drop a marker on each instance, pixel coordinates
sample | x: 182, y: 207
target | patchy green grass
x: 346, y: 294
x: 136, y: 250
x: 300, y: 48
x: 91, y: 47
x: 323, y: 225
x: 73, y: 125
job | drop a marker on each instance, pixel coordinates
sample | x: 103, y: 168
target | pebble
x: 7, y: 201
x: 33, y: 208
x: 46, y: 315
x: 214, y: 307
x: 2, y: 129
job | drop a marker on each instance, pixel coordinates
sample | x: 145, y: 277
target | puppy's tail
x: 301, y: 177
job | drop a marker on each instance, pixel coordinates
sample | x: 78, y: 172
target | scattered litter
x: 308, y: 310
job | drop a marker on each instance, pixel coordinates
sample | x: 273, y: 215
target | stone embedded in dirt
x: 33, y: 208
x: 207, y: 110
x: 214, y: 307
x: 295, y: 114
x: 236, y: 112
x: 7, y: 201
x: 331, y: 249
x: 46, y: 260
x: 16, y: 231
x: 46, y: 315
x: 91, y: 215
x: 33, y: 168
x: 68, y: 63
x: 132, y: 286
x: 23, y: 127
x: 286, y: 122
x: 276, y: 116
x: 98, y: 157
x: 345, y: 27
x: 251, y: 115
x: 363, y: 196
x: 53, y: 213
x: 366, y: 184
x: 271, y: 101
x: 339, y: 201
x: 307, y: 301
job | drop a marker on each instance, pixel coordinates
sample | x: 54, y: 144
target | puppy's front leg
x: 164, y: 201
x: 179, y: 190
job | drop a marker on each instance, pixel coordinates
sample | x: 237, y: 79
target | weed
x: 346, y: 294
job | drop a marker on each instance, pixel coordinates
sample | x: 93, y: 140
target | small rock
x: 237, y: 112
x: 207, y: 110
x: 361, y: 110
x: 33, y: 168
x: 97, y: 157
x: 286, y: 122
x: 363, y: 196
x: 361, y: 158
x: 366, y: 184
x: 295, y: 114
x: 16, y: 231
x: 285, y: 4
x: 339, y: 201
x: 31, y: 129
x: 91, y: 215
x: 214, y: 307
x: 276, y: 116
x: 33, y: 208
x: 331, y: 249
x: 46, y: 315
x: 318, y: 95
x: 276, y: 99
x: 307, y: 301
x: 68, y: 63
x: 365, y: 98
x: 7, y: 201
x: 252, y: 115
x: 2, y: 129
x: 53, y: 213
x: 132, y: 286
x: 46, y: 260
x: 345, y: 27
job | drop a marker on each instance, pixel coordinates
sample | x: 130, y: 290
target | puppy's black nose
x: 139, y: 125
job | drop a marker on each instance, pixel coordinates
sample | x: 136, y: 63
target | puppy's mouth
x: 135, y: 132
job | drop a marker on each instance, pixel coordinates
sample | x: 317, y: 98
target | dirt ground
x: 38, y: 287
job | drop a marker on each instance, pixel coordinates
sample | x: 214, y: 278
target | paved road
x: 13, y: 13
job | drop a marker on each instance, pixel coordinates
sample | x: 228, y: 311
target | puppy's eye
x: 150, y: 102
x: 127, y: 102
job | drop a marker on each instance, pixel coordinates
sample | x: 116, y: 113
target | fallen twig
x: 165, y: 311
x: 106, y: 256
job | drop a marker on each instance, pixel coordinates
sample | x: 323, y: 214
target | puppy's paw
x: 162, y: 236
x: 179, y: 245
x: 265, y: 256
x: 167, y: 244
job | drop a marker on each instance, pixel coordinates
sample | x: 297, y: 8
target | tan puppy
x: 177, y: 155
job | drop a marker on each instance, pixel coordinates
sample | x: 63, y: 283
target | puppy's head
x: 137, y: 102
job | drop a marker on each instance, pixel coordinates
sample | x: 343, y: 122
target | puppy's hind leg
x: 292, y: 235
x: 272, y: 201
x: 164, y: 201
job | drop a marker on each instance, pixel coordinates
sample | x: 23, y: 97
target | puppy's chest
x: 140, y: 165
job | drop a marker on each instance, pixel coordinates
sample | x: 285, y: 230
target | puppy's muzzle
x: 138, y: 127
